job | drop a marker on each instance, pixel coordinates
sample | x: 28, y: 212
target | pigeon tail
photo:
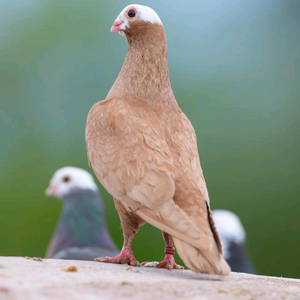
x: 195, y: 259
x: 197, y: 248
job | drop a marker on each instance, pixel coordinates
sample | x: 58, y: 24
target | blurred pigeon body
x: 81, y: 232
x: 233, y: 237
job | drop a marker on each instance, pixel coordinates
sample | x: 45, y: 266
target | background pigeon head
x: 68, y: 179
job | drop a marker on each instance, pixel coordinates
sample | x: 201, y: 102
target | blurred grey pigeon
x: 233, y: 237
x: 81, y: 232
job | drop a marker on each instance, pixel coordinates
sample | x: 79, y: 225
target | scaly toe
x: 113, y: 260
x: 101, y: 259
x: 178, y: 267
x: 118, y: 260
x: 161, y: 265
x: 165, y: 265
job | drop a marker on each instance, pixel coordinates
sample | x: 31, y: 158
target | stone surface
x: 34, y: 279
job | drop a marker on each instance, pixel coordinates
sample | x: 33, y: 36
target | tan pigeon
x: 143, y: 149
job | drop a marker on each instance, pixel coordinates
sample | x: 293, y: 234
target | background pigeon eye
x: 131, y: 13
x: 66, y: 179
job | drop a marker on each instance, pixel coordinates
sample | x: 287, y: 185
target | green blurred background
x: 235, y: 71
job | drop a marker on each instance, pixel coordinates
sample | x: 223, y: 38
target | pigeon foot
x: 168, y: 263
x: 125, y: 257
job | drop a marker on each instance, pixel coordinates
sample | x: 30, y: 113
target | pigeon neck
x: 82, y: 222
x: 144, y: 77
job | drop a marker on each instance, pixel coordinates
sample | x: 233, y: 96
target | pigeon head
x: 135, y: 18
x: 67, y: 179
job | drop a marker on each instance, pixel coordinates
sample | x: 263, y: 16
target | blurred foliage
x: 235, y: 70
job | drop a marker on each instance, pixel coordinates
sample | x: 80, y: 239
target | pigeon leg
x: 130, y: 224
x: 124, y: 257
x: 169, y: 261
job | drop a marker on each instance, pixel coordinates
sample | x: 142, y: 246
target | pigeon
x: 233, y: 237
x: 81, y: 232
x: 143, y: 149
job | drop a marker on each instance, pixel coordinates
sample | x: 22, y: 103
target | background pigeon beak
x: 116, y: 26
x: 50, y: 191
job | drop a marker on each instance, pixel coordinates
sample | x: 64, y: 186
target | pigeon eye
x: 131, y: 13
x: 66, y: 179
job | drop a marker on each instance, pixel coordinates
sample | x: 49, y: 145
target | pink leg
x: 168, y: 262
x: 125, y: 256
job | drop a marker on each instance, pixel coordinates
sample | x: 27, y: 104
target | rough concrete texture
x: 26, y: 278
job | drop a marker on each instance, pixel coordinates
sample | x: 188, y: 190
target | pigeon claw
x: 125, y: 257
x: 168, y: 263
x: 118, y: 260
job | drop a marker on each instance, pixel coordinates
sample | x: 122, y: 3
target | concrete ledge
x: 28, y: 279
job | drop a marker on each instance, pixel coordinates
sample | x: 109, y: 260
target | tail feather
x: 213, y: 227
x: 196, y: 261
x: 198, y: 249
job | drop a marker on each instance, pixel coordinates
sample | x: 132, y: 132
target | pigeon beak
x: 50, y: 191
x: 116, y: 27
